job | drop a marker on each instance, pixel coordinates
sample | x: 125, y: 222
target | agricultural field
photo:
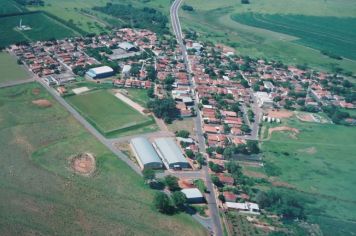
x: 10, y: 70
x: 315, y: 160
x: 335, y: 33
x: 108, y: 113
x: 42, y: 195
x: 42, y: 26
x: 213, y: 20
x: 81, y: 14
x: 9, y: 7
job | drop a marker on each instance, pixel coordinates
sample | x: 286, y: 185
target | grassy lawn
x: 185, y: 124
x: 317, y: 162
x: 108, y: 113
x: 40, y: 194
x: 9, y: 6
x: 10, y: 70
x: 213, y: 20
x: 138, y: 95
x: 43, y: 28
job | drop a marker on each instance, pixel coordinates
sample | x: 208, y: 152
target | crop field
x: 318, y: 162
x: 213, y: 21
x: 10, y: 70
x: 108, y: 113
x: 40, y: 193
x: 42, y: 28
x: 336, y: 34
x: 9, y: 7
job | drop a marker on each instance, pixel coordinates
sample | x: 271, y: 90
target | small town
x: 225, y: 95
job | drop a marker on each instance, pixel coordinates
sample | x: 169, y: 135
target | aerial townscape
x: 181, y: 117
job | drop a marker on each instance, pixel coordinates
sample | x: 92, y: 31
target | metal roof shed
x: 193, y: 195
x: 145, y: 154
x: 170, y: 153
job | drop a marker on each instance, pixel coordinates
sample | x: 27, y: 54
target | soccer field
x: 108, y: 113
x: 40, y: 193
x: 10, y: 70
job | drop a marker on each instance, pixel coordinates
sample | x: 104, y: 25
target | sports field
x: 108, y: 113
x: 318, y: 162
x: 42, y: 28
x: 138, y: 95
x: 9, y: 7
x: 41, y: 195
x: 213, y: 21
x: 10, y: 70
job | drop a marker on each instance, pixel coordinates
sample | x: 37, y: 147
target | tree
x: 148, y: 175
x: 151, y: 92
x: 245, y: 128
x: 179, y: 199
x: 183, y: 134
x: 216, y: 181
x: 252, y: 146
x: 162, y: 202
x: 163, y: 108
x: 168, y: 82
x: 200, y: 159
x: 189, y: 153
x: 172, y: 183
x: 214, y: 167
x: 222, y: 198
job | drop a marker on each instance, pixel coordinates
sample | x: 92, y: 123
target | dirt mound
x: 36, y: 91
x: 280, y: 113
x: 83, y: 164
x: 42, y: 103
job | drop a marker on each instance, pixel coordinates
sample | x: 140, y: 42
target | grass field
x: 317, y: 162
x: 108, y: 113
x: 213, y: 20
x: 43, y: 28
x: 335, y: 33
x: 40, y: 194
x: 9, y: 7
x: 138, y: 95
x: 10, y: 70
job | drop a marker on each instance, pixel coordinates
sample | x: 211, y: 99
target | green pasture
x: 41, y: 195
x: 10, y: 70
x: 108, y: 113
x: 42, y: 28
x: 318, y: 162
x: 213, y: 21
x: 9, y: 7
x: 138, y: 95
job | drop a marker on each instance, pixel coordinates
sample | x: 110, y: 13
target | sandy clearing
x: 279, y: 113
x: 42, y: 103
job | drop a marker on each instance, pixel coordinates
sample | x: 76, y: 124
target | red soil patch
x: 281, y: 129
x: 305, y: 117
x: 36, y: 91
x: 185, y: 184
x: 83, y: 164
x: 42, y: 103
x: 280, y: 113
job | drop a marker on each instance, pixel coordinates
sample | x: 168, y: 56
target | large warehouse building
x: 145, y: 154
x: 100, y: 72
x: 170, y: 153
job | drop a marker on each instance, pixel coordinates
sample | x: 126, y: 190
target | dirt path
x: 131, y: 103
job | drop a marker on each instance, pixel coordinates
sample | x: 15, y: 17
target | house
x: 246, y: 207
x: 193, y: 195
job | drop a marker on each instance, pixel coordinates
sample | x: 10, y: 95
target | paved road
x: 211, y: 199
x: 14, y: 83
x: 107, y: 142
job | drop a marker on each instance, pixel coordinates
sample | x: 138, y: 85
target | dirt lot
x: 42, y: 103
x: 295, y: 131
x: 305, y: 117
x: 280, y: 113
x: 83, y: 164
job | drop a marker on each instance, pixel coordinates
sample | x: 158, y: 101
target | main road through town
x: 211, y: 199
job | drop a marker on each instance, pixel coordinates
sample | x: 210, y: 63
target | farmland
x: 42, y: 26
x: 107, y: 113
x: 335, y: 33
x: 40, y: 193
x: 213, y: 21
x: 10, y: 70
x: 9, y: 7
x: 317, y: 163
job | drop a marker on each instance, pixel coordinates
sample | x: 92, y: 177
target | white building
x: 246, y: 207
x: 193, y: 195
x: 263, y: 99
x: 170, y: 153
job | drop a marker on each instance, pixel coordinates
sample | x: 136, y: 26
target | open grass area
x: 10, y: 70
x: 9, y: 7
x: 108, y: 113
x: 138, y: 95
x: 318, y: 162
x: 42, y: 26
x: 335, y: 33
x: 41, y: 195
x: 213, y: 21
